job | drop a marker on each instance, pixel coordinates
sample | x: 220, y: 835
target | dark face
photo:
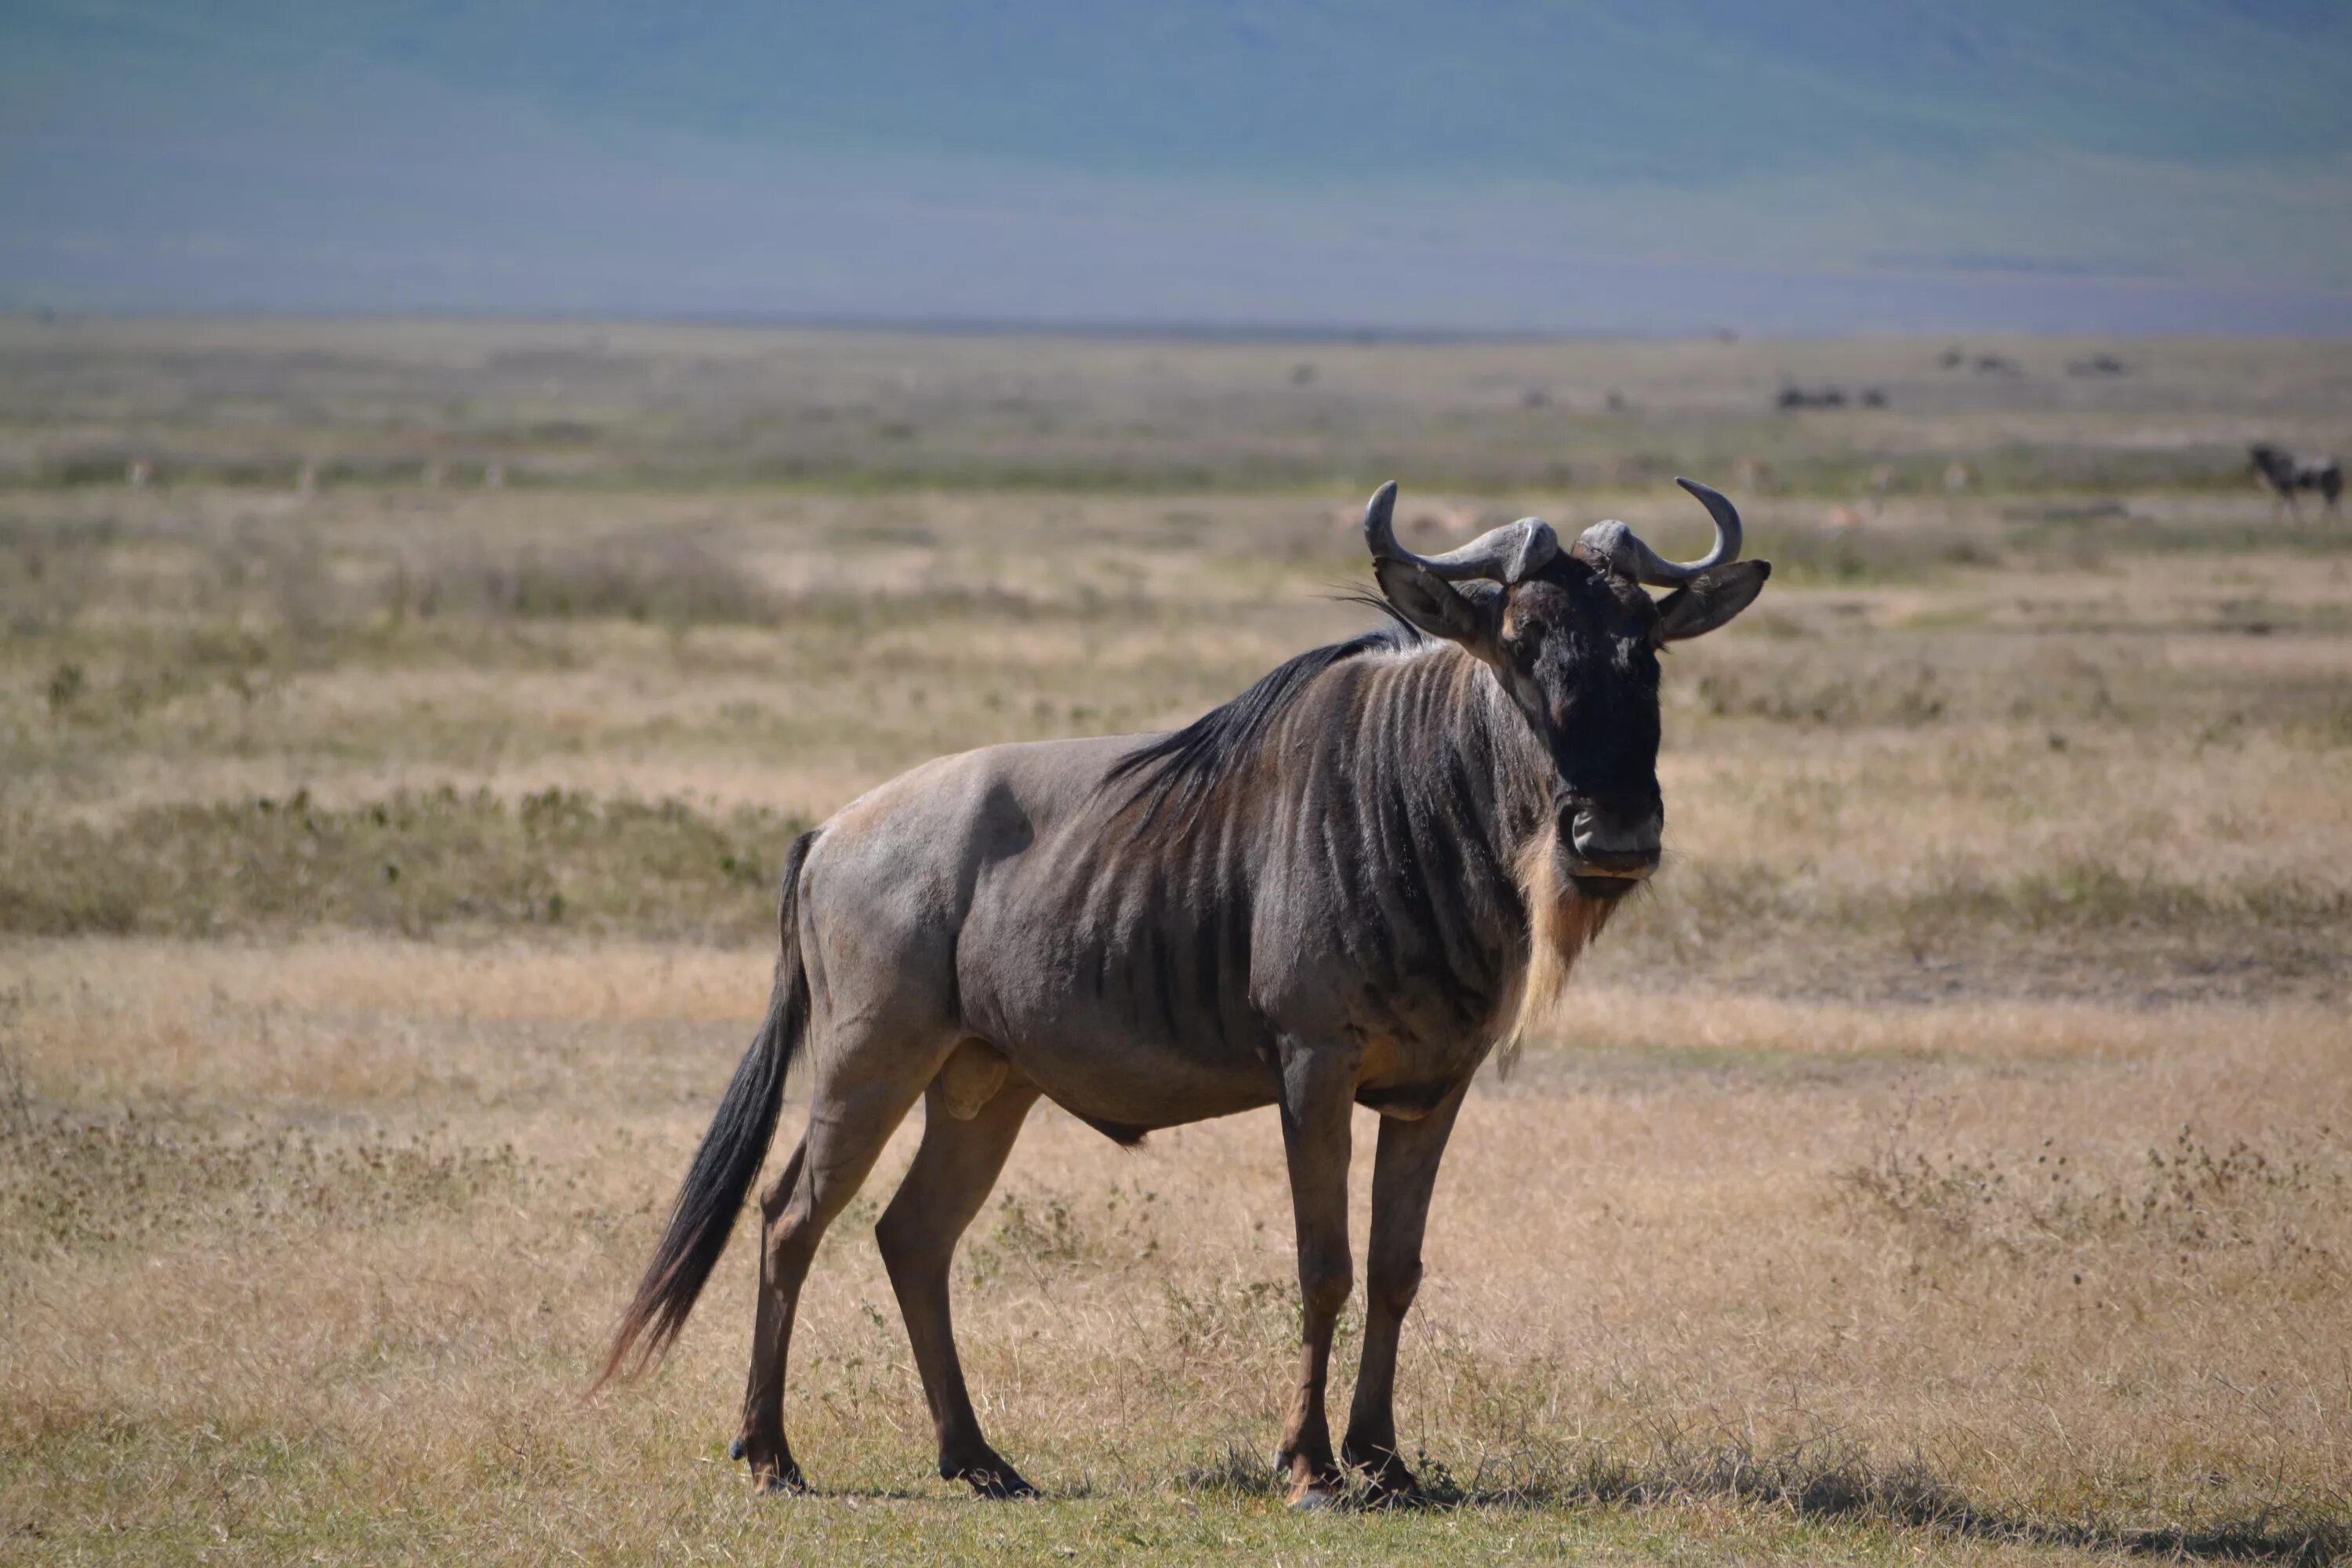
x: 1579, y: 654
x: 1576, y: 646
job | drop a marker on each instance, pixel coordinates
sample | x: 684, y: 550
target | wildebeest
x: 2286, y: 473
x: 1344, y: 886
x: 1799, y: 397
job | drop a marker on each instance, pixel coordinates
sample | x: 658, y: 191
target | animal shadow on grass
x: 1812, y: 1481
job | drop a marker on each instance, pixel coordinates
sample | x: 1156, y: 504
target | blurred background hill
x: 1825, y: 165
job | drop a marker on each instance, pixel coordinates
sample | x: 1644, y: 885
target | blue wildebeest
x: 2286, y: 473
x: 1344, y: 886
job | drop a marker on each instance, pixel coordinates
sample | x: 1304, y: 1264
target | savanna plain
x: 401, y: 725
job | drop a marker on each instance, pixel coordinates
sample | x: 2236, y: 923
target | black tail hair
x: 732, y: 1151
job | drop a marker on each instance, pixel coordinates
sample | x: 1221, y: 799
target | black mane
x: 1181, y: 769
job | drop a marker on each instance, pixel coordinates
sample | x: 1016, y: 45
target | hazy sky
x: 1671, y: 165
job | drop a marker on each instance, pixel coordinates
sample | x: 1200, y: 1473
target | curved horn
x: 1621, y: 549
x: 1506, y: 554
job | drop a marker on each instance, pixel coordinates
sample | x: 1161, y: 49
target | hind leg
x: 953, y: 1175
x: 848, y: 1124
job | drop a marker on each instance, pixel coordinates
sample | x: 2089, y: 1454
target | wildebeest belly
x: 1101, y: 1038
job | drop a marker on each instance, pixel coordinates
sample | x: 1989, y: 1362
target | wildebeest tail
x: 703, y: 1217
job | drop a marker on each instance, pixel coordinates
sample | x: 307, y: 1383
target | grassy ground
x: 1950, y: 1157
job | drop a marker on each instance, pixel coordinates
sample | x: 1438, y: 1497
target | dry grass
x: 1950, y: 1158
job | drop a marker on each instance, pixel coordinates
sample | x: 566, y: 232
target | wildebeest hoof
x: 1380, y: 1494
x: 778, y: 1481
x: 1388, y: 1479
x: 1315, y: 1481
x: 773, y: 1473
x: 1313, y: 1497
x: 996, y: 1480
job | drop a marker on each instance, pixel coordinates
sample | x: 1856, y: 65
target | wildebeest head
x: 1574, y: 640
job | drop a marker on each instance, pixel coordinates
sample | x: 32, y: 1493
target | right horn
x: 1505, y: 554
x: 1620, y: 547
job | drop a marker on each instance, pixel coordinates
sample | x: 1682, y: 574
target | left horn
x: 1619, y: 547
x: 1506, y: 554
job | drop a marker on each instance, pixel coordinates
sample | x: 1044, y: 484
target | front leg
x: 1404, y: 1172
x: 1318, y: 1099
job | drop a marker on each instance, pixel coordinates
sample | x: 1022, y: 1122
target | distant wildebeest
x: 1795, y: 397
x: 1344, y: 886
x: 2286, y: 473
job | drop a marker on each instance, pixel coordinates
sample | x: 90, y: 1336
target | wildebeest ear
x: 1711, y: 598
x: 1432, y: 605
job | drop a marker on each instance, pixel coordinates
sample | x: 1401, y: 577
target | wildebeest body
x: 2286, y: 473
x: 1343, y: 887
x: 1334, y: 888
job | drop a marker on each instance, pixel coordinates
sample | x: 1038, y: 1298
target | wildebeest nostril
x: 1607, y: 842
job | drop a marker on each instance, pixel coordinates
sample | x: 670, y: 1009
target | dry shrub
x: 2083, y: 925
x: 1223, y: 1318
x: 410, y: 862
x: 2279, y: 1205
x: 2093, y: 893
x: 1834, y: 696
x: 49, y: 571
x: 82, y: 1183
x: 1044, y: 1231
x: 666, y: 579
